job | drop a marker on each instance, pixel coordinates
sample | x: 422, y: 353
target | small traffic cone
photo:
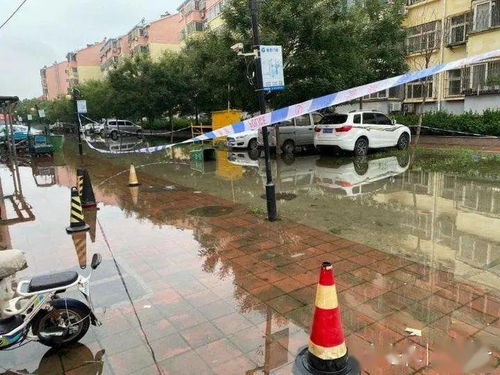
x: 80, y: 242
x: 327, y: 351
x: 76, y: 218
x: 87, y: 192
x: 132, y: 178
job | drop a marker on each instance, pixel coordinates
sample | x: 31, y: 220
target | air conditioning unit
x: 395, y: 107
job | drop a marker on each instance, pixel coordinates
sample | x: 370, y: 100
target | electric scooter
x: 34, y: 310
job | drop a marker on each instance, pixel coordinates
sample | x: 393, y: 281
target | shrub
x: 487, y: 123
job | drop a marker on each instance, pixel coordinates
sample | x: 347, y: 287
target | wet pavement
x: 195, y: 281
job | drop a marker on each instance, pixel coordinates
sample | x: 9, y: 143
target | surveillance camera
x: 238, y: 47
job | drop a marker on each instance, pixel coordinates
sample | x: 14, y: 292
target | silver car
x: 113, y: 127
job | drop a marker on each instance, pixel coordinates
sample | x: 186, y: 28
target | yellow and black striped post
x: 79, y: 182
x: 76, y: 218
x: 80, y: 242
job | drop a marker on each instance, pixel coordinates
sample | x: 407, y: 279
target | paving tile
x: 305, y: 295
x: 301, y: 316
x: 454, y: 328
x: 473, y: 317
x: 231, y: 323
x: 441, y: 304
x: 130, y: 361
x: 217, y: 309
x: 186, y: 320
x: 185, y: 364
x: 284, y: 304
x: 201, y: 334
x: 267, y: 292
x: 238, y: 365
x: 368, y: 290
x: 271, y: 276
x: 248, y: 339
x: 288, y: 284
x: 487, y: 305
x: 169, y: 346
x: 202, y: 298
x: 218, y: 352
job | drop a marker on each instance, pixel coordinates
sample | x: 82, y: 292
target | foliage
x: 327, y: 46
x: 178, y: 123
x: 99, y: 99
x: 487, y: 123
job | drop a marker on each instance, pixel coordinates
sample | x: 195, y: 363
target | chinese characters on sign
x: 271, y: 60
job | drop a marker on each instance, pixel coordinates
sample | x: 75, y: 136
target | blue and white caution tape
x: 322, y: 102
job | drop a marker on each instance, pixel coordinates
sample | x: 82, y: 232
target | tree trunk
x: 171, y: 119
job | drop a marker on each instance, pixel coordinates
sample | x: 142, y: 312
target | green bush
x: 487, y: 123
x: 164, y: 123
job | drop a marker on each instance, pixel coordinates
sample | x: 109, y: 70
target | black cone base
x: 134, y: 184
x: 302, y: 366
x: 80, y: 228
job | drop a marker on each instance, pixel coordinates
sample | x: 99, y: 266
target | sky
x: 44, y: 31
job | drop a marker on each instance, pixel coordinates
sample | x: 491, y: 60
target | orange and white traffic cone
x: 327, y: 351
x: 132, y: 177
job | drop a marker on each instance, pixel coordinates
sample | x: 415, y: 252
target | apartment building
x: 79, y: 66
x: 441, y: 31
x: 153, y: 39
x: 198, y: 15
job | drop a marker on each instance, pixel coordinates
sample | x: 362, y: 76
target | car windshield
x: 334, y: 119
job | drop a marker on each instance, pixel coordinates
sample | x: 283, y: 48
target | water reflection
x: 115, y: 144
x: 77, y: 359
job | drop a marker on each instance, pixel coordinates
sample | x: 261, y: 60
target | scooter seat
x: 9, y: 324
x: 57, y: 280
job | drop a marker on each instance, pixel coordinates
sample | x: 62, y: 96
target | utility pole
x: 272, y: 213
x: 78, y: 122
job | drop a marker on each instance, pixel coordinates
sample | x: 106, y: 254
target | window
x: 334, y: 119
x: 120, y: 123
x: 454, y: 82
x: 482, y: 16
x: 357, y: 119
x: 369, y: 118
x: 458, y: 28
x: 303, y: 121
x: 317, y: 117
x: 112, y: 123
x: 423, y: 37
x: 486, y: 14
x: 215, y: 10
x: 478, y: 76
x: 383, y: 119
x: 415, y: 90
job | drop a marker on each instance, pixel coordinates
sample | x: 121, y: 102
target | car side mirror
x: 96, y: 260
x: 393, y: 122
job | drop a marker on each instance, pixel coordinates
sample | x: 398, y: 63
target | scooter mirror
x: 96, y: 260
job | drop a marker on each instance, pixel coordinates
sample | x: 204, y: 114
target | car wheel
x: 361, y: 147
x: 403, y: 141
x: 252, y: 144
x: 288, y: 146
x: 114, y: 134
x: 360, y: 165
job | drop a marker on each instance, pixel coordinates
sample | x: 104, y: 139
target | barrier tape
x: 323, y: 102
x: 453, y: 131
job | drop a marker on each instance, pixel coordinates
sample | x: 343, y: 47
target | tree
x: 328, y: 45
x: 98, y: 95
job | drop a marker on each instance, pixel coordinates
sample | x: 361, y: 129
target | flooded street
x: 194, y: 280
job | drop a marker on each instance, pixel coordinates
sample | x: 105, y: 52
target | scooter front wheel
x: 66, y: 323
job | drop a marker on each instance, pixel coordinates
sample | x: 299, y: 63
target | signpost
x: 41, y: 113
x: 271, y: 60
x: 81, y: 106
x: 30, y: 117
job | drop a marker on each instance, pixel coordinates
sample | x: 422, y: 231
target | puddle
x: 211, y: 211
x: 411, y: 247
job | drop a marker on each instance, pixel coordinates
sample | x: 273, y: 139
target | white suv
x: 360, y: 130
x: 113, y: 127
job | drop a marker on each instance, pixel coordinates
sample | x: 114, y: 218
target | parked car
x: 20, y: 132
x: 246, y: 139
x: 113, y: 127
x: 358, y: 176
x: 359, y: 131
x: 90, y: 128
x: 296, y: 132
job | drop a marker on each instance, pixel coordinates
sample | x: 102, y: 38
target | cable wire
x: 13, y: 14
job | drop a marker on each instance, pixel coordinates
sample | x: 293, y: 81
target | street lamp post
x: 272, y: 213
